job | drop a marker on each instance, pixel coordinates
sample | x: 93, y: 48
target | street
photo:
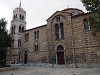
x: 36, y: 70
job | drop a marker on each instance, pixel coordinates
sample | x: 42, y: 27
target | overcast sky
x: 37, y: 11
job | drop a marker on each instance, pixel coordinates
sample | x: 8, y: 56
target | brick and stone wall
x: 86, y: 45
x: 41, y: 54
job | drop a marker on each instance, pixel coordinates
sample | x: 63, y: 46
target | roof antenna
x: 20, y: 4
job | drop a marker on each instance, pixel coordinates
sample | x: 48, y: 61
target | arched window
x: 26, y: 37
x: 56, y: 31
x: 36, y: 35
x: 62, y: 30
x: 86, y: 25
x: 58, y: 18
x: 60, y: 48
x: 25, y: 51
x: 14, y: 29
x: 36, y: 47
x: 59, y: 31
x: 14, y: 16
x: 19, y: 29
x: 19, y: 43
x: 22, y: 29
x: 20, y: 16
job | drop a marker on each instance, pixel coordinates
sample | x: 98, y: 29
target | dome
x: 69, y: 9
x: 19, y: 9
x: 73, y: 11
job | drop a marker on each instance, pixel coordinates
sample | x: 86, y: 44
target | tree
x: 93, y: 6
x: 5, y: 41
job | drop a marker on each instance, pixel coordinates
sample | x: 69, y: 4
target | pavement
x: 48, y: 70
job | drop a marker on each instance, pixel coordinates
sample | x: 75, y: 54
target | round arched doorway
x: 60, y: 54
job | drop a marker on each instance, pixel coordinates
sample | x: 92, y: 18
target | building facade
x: 66, y: 38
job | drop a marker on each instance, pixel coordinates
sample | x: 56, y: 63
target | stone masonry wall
x: 86, y: 45
x: 41, y: 54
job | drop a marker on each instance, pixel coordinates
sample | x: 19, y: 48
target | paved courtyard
x: 36, y: 70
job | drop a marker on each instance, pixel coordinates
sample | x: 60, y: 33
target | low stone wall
x: 8, y: 69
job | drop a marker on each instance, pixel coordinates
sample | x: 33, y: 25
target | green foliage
x: 95, y: 23
x: 5, y: 41
x: 2, y: 25
x: 93, y: 6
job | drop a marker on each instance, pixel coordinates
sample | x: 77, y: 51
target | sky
x: 37, y: 11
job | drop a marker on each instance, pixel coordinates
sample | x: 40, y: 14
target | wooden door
x: 60, y: 57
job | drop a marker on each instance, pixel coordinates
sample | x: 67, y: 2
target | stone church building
x: 66, y: 38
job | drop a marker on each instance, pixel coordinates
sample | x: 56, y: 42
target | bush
x: 1, y: 66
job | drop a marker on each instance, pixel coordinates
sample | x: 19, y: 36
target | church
x: 66, y: 38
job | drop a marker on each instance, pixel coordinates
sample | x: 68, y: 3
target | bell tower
x: 18, y: 25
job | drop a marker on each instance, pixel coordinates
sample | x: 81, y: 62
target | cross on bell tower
x: 20, y: 4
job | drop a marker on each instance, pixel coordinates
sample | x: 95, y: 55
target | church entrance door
x: 60, y: 54
x: 60, y: 57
